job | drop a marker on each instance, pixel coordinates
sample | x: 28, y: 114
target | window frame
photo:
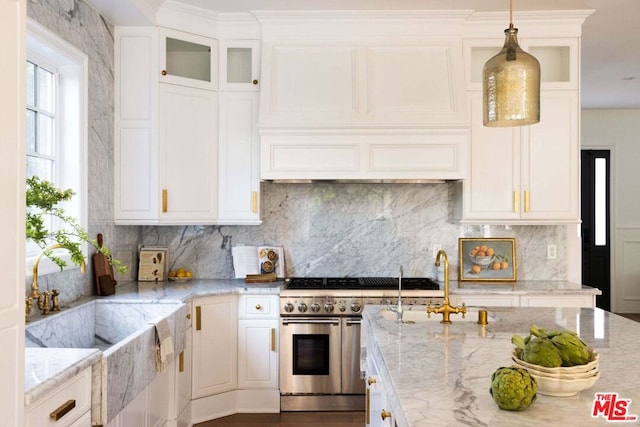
x: 70, y: 66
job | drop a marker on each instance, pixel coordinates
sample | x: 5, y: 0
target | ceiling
x: 610, y: 42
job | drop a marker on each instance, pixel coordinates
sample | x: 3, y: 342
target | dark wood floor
x: 632, y: 316
x: 289, y: 419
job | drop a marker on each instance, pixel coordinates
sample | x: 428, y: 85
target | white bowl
x: 562, y: 387
x: 560, y: 374
x: 481, y: 260
x: 564, y: 370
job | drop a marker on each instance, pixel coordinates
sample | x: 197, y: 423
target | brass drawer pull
x: 516, y: 202
x: 371, y: 380
x: 258, y: 307
x: 526, y: 201
x: 163, y: 72
x: 198, y: 316
x: 384, y: 414
x: 63, y: 410
x: 254, y: 201
x: 273, y: 339
x: 164, y: 200
x: 181, y: 362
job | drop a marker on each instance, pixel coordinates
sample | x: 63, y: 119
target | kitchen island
x: 435, y: 374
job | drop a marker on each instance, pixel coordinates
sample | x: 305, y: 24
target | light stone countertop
x: 439, y: 374
x: 47, y: 368
x: 522, y: 287
x: 70, y: 361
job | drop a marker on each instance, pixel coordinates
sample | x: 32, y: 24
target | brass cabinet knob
x: 189, y: 316
x: 258, y: 307
x: 384, y: 414
x: 255, y: 82
x: 163, y: 72
x: 371, y: 380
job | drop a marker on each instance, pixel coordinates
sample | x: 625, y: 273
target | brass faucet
x: 446, y: 309
x: 43, y: 297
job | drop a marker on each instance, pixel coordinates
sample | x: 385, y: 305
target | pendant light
x: 511, y: 84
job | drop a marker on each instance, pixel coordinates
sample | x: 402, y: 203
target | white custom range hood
x: 369, y: 96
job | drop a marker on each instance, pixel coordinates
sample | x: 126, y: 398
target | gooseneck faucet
x: 446, y: 309
x: 42, y: 298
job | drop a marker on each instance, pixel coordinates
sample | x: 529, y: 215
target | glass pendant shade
x: 511, y: 85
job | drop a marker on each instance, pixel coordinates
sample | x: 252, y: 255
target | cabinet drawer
x: 74, y: 395
x: 258, y: 306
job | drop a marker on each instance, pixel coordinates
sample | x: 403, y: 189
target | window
x: 56, y: 134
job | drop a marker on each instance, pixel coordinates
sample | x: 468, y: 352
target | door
x: 310, y: 356
x: 351, y: 381
x: 596, y: 241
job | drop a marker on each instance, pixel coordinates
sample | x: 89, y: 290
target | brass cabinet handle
x: 254, y: 201
x: 367, y: 407
x: 188, y: 315
x: 255, y: 82
x: 273, y: 339
x: 198, y: 316
x: 181, y: 362
x: 163, y: 72
x: 164, y: 200
x: 62, y: 410
x: 516, y: 201
x: 384, y: 414
x: 258, y: 307
x: 371, y: 380
x: 526, y: 201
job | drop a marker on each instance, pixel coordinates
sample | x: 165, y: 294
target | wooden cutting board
x: 103, y: 272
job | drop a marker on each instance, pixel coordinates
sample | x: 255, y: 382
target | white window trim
x: 72, y: 66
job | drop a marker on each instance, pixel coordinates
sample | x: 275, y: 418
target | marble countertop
x: 440, y: 374
x: 46, y: 368
x: 523, y: 287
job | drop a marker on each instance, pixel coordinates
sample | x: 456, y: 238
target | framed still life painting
x: 487, y: 259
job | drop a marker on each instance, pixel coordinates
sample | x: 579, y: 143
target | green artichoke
x: 513, y: 388
x: 538, y: 351
x: 573, y: 350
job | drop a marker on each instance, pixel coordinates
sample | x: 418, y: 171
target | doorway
x: 596, y: 209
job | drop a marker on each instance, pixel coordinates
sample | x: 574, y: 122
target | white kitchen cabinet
x: 215, y: 345
x: 166, y: 152
x: 258, y: 342
x: 239, y: 65
x: 69, y: 404
x: 558, y: 301
x: 377, y: 407
x: 486, y: 300
x: 188, y: 154
x: 239, y: 162
x: 524, y: 174
x: 187, y: 59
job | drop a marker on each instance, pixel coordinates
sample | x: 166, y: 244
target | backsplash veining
x: 330, y: 229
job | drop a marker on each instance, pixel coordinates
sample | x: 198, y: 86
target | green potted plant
x: 42, y: 198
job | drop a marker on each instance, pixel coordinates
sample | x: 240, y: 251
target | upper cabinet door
x: 240, y: 65
x: 187, y: 59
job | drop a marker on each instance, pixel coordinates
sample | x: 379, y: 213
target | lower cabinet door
x: 258, y: 354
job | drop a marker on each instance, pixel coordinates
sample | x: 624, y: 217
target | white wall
x: 619, y: 130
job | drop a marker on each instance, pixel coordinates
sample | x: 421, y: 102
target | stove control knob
x: 315, y: 307
x: 342, y: 308
x: 288, y: 307
x: 328, y: 307
x: 356, y: 307
x: 302, y: 307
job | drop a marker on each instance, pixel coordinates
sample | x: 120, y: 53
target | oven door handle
x: 286, y: 321
x: 350, y: 322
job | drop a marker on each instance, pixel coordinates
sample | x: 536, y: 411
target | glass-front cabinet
x: 240, y: 65
x: 188, y: 59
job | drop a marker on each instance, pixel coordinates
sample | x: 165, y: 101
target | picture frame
x: 153, y: 264
x: 487, y: 259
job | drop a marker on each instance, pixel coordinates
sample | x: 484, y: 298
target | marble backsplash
x: 338, y: 229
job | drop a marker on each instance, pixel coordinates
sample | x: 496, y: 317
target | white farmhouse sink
x: 124, y: 332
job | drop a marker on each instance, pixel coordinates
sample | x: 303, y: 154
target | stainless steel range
x: 320, y: 336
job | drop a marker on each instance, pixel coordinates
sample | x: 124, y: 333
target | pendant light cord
x: 510, y: 14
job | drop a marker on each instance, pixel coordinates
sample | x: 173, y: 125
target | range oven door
x: 310, y: 355
x: 352, y: 383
